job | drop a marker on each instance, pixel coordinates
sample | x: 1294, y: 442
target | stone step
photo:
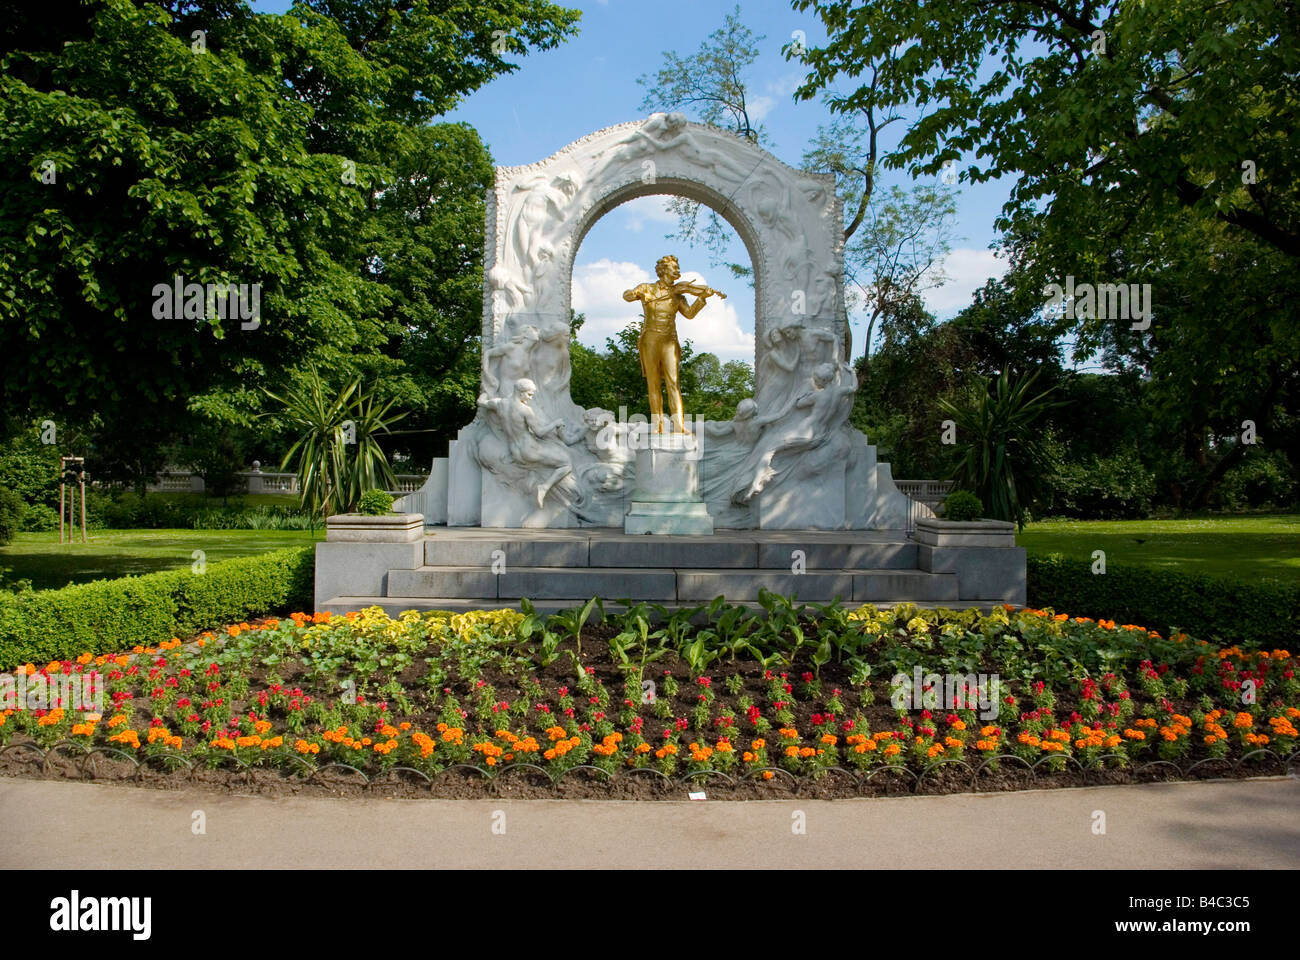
x: 816, y: 551
x: 668, y: 584
x: 819, y: 586
x: 552, y: 583
x: 396, y: 605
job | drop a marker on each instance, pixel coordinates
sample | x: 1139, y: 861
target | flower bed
x: 819, y: 701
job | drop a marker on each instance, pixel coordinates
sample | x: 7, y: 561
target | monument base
x: 470, y: 568
x: 679, y: 518
x: 666, y: 499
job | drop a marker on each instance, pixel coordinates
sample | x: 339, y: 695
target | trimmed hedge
x: 1260, y: 613
x: 110, y: 616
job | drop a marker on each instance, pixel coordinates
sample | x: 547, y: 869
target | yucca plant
x: 1001, y: 451
x: 332, y: 472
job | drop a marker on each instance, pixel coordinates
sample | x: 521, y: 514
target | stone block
x: 361, y: 569
x: 934, y: 532
x: 668, y: 519
x: 911, y: 585
x: 477, y: 582
x: 652, y: 551
x: 738, y: 585
x: 609, y: 583
x: 845, y: 554
x: 388, y: 528
x: 983, y: 573
x: 464, y: 486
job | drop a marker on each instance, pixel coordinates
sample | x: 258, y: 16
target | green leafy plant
x: 962, y: 505
x: 331, y: 478
x: 572, y: 621
x: 375, y: 503
x: 1001, y: 449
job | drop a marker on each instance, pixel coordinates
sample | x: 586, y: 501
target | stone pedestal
x: 982, y: 554
x: 666, y: 498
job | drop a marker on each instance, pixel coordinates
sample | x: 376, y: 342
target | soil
x: 584, y: 784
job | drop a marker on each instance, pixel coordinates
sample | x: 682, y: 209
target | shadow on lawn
x: 52, y: 571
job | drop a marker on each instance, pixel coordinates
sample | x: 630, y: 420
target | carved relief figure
x: 728, y: 444
x: 551, y: 362
x: 531, y: 443
x: 671, y: 131
x: 793, y: 351
x: 819, y: 411
x: 543, y: 202
x: 511, y: 360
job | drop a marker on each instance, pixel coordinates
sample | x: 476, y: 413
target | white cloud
x: 652, y: 209
x: 598, y: 292
x: 759, y: 107
x: 967, y: 269
x: 786, y: 85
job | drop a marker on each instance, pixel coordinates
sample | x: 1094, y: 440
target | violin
x: 697, y: 289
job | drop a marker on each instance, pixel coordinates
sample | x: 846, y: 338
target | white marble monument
x: 787, y: 461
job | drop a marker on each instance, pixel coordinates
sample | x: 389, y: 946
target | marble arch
x: 533, y: 458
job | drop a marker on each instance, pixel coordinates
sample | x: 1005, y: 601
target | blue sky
x: 590, y: 82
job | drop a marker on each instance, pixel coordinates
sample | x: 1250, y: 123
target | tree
x: 1222, y: 349
x: 711, y: 83
x: 919, y: 362
x: 424, y: 248
x: 135, y: 153
x: 1006, y: 327
x: 898, y: 254
x: 1161, y: 106
x: 1150, y: 144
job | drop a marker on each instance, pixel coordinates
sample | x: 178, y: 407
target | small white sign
x: 696, y: 796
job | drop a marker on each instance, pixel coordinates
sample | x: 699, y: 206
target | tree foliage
x: 1158, y: 105
x: 257, y: 153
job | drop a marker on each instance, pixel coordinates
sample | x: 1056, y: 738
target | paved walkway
x: 1244, y: 824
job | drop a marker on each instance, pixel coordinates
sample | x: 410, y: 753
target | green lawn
x: 40, y: 557
x: 1246, y: 547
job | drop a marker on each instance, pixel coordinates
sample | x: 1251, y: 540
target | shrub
x: 254, y: 518
x: 375, y: 503
x: 1261, y: 479
x: 39, y: 518
x: 11, y: 514
x: 1256, y: 614
x: 962, y: 505
x: 1116, y: 487
x: 29, y: 467
x: 110, y: 616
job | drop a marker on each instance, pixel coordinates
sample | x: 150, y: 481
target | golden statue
x: 660, y: 352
